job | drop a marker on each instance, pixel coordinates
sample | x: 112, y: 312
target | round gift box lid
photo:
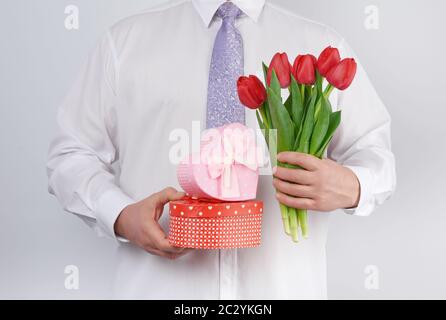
x: 210, y: 209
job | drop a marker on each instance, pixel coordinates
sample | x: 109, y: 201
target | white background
x: 405, y: 239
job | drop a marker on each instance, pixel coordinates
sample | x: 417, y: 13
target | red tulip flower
x: 328, y: 59
x: 341, y: 76
x: 251, y: 91
x: 281, y: 65
x: 304, y: 69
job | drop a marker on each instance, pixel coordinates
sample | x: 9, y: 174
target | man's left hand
x: 321, y: 185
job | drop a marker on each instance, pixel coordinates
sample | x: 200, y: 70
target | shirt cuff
x: 365, y: 205
x: 108, y: 208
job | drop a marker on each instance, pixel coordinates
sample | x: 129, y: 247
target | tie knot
x: 228, y: 10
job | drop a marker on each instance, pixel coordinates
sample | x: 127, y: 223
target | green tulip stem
x: 328, y: 90
x: 264, y: 118
x: 302, y: 91
x: 294, y: 224
x: 285, y: 218
x: 303, y: 221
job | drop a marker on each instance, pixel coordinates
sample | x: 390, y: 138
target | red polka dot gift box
x: 208, y: 224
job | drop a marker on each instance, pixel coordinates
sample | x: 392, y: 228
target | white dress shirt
x: 148, y: 76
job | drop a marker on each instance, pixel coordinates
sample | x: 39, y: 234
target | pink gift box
x: 226, y: 168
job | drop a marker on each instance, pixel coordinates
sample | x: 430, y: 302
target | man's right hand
x: 138, y: 223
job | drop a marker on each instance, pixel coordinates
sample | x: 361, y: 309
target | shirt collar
x: 208, y: 8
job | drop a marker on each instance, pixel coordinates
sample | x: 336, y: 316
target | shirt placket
x: 228, y: 274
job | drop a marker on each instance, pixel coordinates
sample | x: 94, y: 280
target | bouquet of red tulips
x: 305, y: 121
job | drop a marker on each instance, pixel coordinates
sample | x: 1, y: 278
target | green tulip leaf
x: 266, y: 105
x: 319, y: 81
x: 275, y: 84
x: 267, y: 118
x: 321, y: 126
x: 308, y: 125
x: 288, y: 105
x: 297, y: 107
x: 335, y: 121
x: 265, y: 71
x: 308, y: 92
x: 262, y: 126
x: 281, y: 121
x: 259, y: 120
x: 272, y: 147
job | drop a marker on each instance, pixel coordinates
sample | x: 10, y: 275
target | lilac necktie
x: 223, y: 105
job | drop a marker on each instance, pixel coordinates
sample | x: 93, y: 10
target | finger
x: 166, y: 195
x: 160, y: 253
x: 160, y: 240
x: 164, y: 245
x: 298, y: 203
x: 292, y: 189
x: 152, y: 250
x: 300, y: 176
x: 156, y: 202
x: 303, y: 160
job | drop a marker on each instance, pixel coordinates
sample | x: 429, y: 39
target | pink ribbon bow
x: 223, y: 149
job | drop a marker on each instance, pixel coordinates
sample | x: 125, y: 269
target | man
x: 151, y: 74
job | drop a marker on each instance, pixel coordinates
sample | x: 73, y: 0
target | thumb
x: 166, y: 195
